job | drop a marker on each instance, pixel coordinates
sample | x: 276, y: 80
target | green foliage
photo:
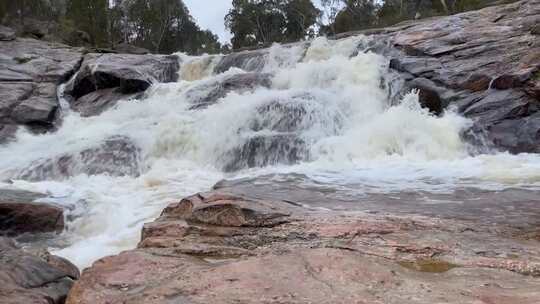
x: 261, y: 22
x: 351, y: 15
x: 91, y: 17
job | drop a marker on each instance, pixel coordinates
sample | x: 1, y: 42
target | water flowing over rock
x: 473, y: 59
x: 116, y: 156
x: 342, y: 185
x: 208, y: 94
x: 33, y: 278
x: 126, y: 74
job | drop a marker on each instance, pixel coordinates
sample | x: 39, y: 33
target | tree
x: 261, y: 22
x: 91, y: 17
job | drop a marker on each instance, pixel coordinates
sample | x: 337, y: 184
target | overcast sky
x: 210, y: 14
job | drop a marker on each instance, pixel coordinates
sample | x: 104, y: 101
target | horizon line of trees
x: 166, y: 26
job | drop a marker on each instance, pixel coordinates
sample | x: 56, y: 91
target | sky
x: 210, y: 15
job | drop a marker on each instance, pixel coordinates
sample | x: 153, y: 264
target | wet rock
x: 429, y: 95
x: 116, y: 156
x: 208, y: 94
x: 7, y: 132
x: 99, y: 101
x: 19, y: 214
x: 29, y: 278
x: 106, y: 78
x: 217, y: 247
x: 468, y: 53
x: 6, y: 33
x: 250, y: 61
x: 262, y: 151
x: 129, y: 73
x: 30, y: 71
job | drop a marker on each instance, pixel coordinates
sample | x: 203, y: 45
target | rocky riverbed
x: 438, y: 209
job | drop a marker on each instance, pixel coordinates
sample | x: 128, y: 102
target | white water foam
x: 351, y: 132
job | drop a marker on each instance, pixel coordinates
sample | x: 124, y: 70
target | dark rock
x: 29, y: 278
x: 428, y: 95
x: 97, y: 102
x: 19, y: 218
x: 126, y: 48
x: 208, y: 94
x: 19, y: 214
x: 261, y: 151
x: 536, y: 30
x: 117, y: 156
x: 6, y: 33
x: 129, y: 73
x: 7, y: 132
x: 106, y: 78
x: 476, y: 83
x: 250, y: 61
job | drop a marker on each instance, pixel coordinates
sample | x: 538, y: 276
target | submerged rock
x: 116, y: 156
x: 32, y: 278
x: 208, y: 94
x: 262, y: 151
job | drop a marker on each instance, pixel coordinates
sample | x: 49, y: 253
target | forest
x: 164, y: 26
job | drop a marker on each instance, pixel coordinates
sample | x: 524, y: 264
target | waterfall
x: 328, y: 109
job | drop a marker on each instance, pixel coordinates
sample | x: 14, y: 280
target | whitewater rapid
x: 327, y: 104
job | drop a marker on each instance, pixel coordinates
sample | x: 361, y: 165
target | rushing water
x: 326, y: 113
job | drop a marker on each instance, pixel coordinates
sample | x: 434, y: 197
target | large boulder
x: 220, y: 247
x: 484, y: 62
x: 33, y: 277
x: 30, y: 71
x: 19, y: 214
x: 126, y: 74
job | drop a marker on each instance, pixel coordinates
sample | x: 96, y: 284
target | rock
x: 428, y: 95
x: 99, y: 101
x: 249, y: 61
x: 30, y: 71
x: 20, y: 214
x: 40, y: 108
x: 467, y: 53
x: 7, y: 132
x: 262, y: 151
x: 129, y: 73
x: 126, y: 48
x: 6, y: 33
x: 221, y: 247
x: 28, y: 278
x: 116, y: 156
x: 126, y: 74
x: 208, y: 94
